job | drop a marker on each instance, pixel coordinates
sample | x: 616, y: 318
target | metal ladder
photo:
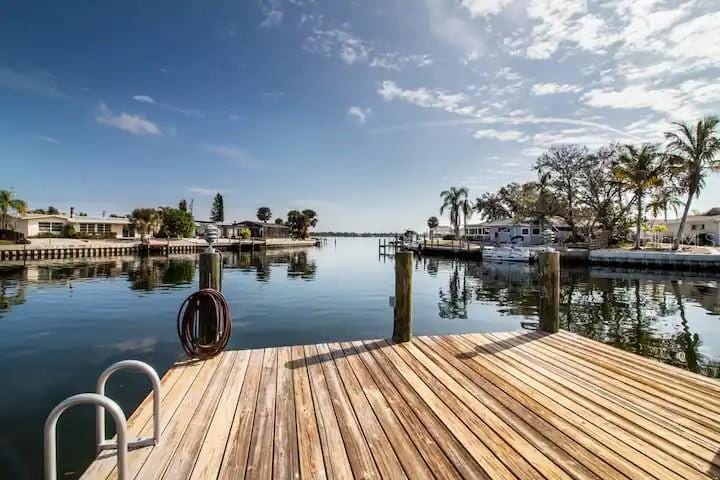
x: 103, y: 403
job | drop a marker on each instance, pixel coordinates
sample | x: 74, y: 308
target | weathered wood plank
x: 183, y: 460
x: 358, y: 450
x: 469, y: 439
x: 285, y: 454
x: 260, y: 457
x: 335, y: 455
x: 210, y: 457
x: 577, y: 409
x: 382, y: 449
x: 235, y: 457
x: 309, y: 447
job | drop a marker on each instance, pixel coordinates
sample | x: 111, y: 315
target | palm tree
x: 491, y: 207
x: 466, y: 208
x: 8, y: 203
x: 146, y: 220
x: 432, y: 224
x: 639, y: 169
x: 665, y: 198
x: 452, y: 200
x: 694, y: 151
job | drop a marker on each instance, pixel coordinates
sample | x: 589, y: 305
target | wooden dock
x: 507, y: 405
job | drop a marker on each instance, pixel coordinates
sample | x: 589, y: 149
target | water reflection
x: 641, y: 312
x: 298, y: 263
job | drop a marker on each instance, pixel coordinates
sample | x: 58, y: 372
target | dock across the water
x: 508, y: 405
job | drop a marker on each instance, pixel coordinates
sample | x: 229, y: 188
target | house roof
x: 510, y: 222
x: 75, y: 219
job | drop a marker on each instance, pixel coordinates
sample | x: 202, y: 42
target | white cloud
x: 135, y: 124
x: 336, y: 42
x: 688, y: 100
x: 45, y: 138
x: 273, y: 11
x: 144, y: 99
x: 37, y: 82
x: 423, y: 97
x: 359, y: 112
x: 243, y: 157
x: 553, y: 88
x: 397, y: 61
x: 484, y: 8
x: 501, y: 135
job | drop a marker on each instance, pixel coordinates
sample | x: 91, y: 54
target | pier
x: 154, y: 247
x: 517, y: 405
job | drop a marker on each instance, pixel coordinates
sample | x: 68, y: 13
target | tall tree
x: 466, y: 210
x: 491, y: 207
x: 452, y: 200
x: 300, y: 222
x: 9, y: 203
x: 663, y: 199
x: 177, y: 222
x: 146, y: 220
x: 694, y: 152
x: 217, y: 213
x: 264, y: 214
x: 433, y: 222
x: 182, y: 205
x: 564, y: 162
x: 639, y: 169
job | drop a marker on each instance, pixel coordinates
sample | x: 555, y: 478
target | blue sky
x: 361, y: 110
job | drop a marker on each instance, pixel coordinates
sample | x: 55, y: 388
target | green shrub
x: 244, y: 233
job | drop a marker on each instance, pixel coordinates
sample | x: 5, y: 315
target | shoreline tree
x: 217, y: 212
x: 264, y: 214
x: 8, y: 203
x: 694, y: 152
x: 432, y: 223
x: 146, y: 220
x: 640, y: 169
x: 452, y: 200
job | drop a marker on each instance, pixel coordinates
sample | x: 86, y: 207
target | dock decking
x: 508, y: 405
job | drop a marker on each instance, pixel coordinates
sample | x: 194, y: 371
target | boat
x: 513, y: 253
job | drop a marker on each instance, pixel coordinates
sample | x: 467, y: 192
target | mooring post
x: 402, y: 327
x: 549, y: 267
x: 210, y: 277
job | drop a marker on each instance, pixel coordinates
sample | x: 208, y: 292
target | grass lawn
x: 7, y: 242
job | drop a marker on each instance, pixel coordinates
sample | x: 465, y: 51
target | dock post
x: 549, y: 268
x: 402, y: 327
x: 210, y: 277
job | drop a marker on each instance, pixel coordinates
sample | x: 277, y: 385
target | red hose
x: 188, y: 323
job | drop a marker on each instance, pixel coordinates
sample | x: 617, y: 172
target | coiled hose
x: 188, y: 323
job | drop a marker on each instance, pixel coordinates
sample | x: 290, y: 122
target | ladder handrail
x: 85, y: 398
x: 100, y: 411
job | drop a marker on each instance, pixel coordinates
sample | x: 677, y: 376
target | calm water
x: 62, y: 323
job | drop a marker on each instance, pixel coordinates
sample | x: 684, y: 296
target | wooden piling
x: 549, y: 268
x: 402, y: 326
x: 210, y: 277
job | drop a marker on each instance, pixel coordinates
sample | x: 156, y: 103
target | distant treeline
x: 353, y: 234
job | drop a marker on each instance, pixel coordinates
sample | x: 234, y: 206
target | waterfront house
x: 32, y: 225
x: 265, y: 230
x: 699, y: 229
x: 524, y: 232
x: 441, y: 230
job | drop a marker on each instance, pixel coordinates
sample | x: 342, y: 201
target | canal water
x: 63, y: 322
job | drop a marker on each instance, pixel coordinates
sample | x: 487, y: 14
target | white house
x: 32, y: 225
x: 441, y: 230
x: 698, y: 228
x: 523, y: 232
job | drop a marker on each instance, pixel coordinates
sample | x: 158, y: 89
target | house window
x: 525, y: 231
x: 504, y: 229
x: 698, y: 226
x: 486, y: 231
x: 50, y: 227
x: 536, y: 231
